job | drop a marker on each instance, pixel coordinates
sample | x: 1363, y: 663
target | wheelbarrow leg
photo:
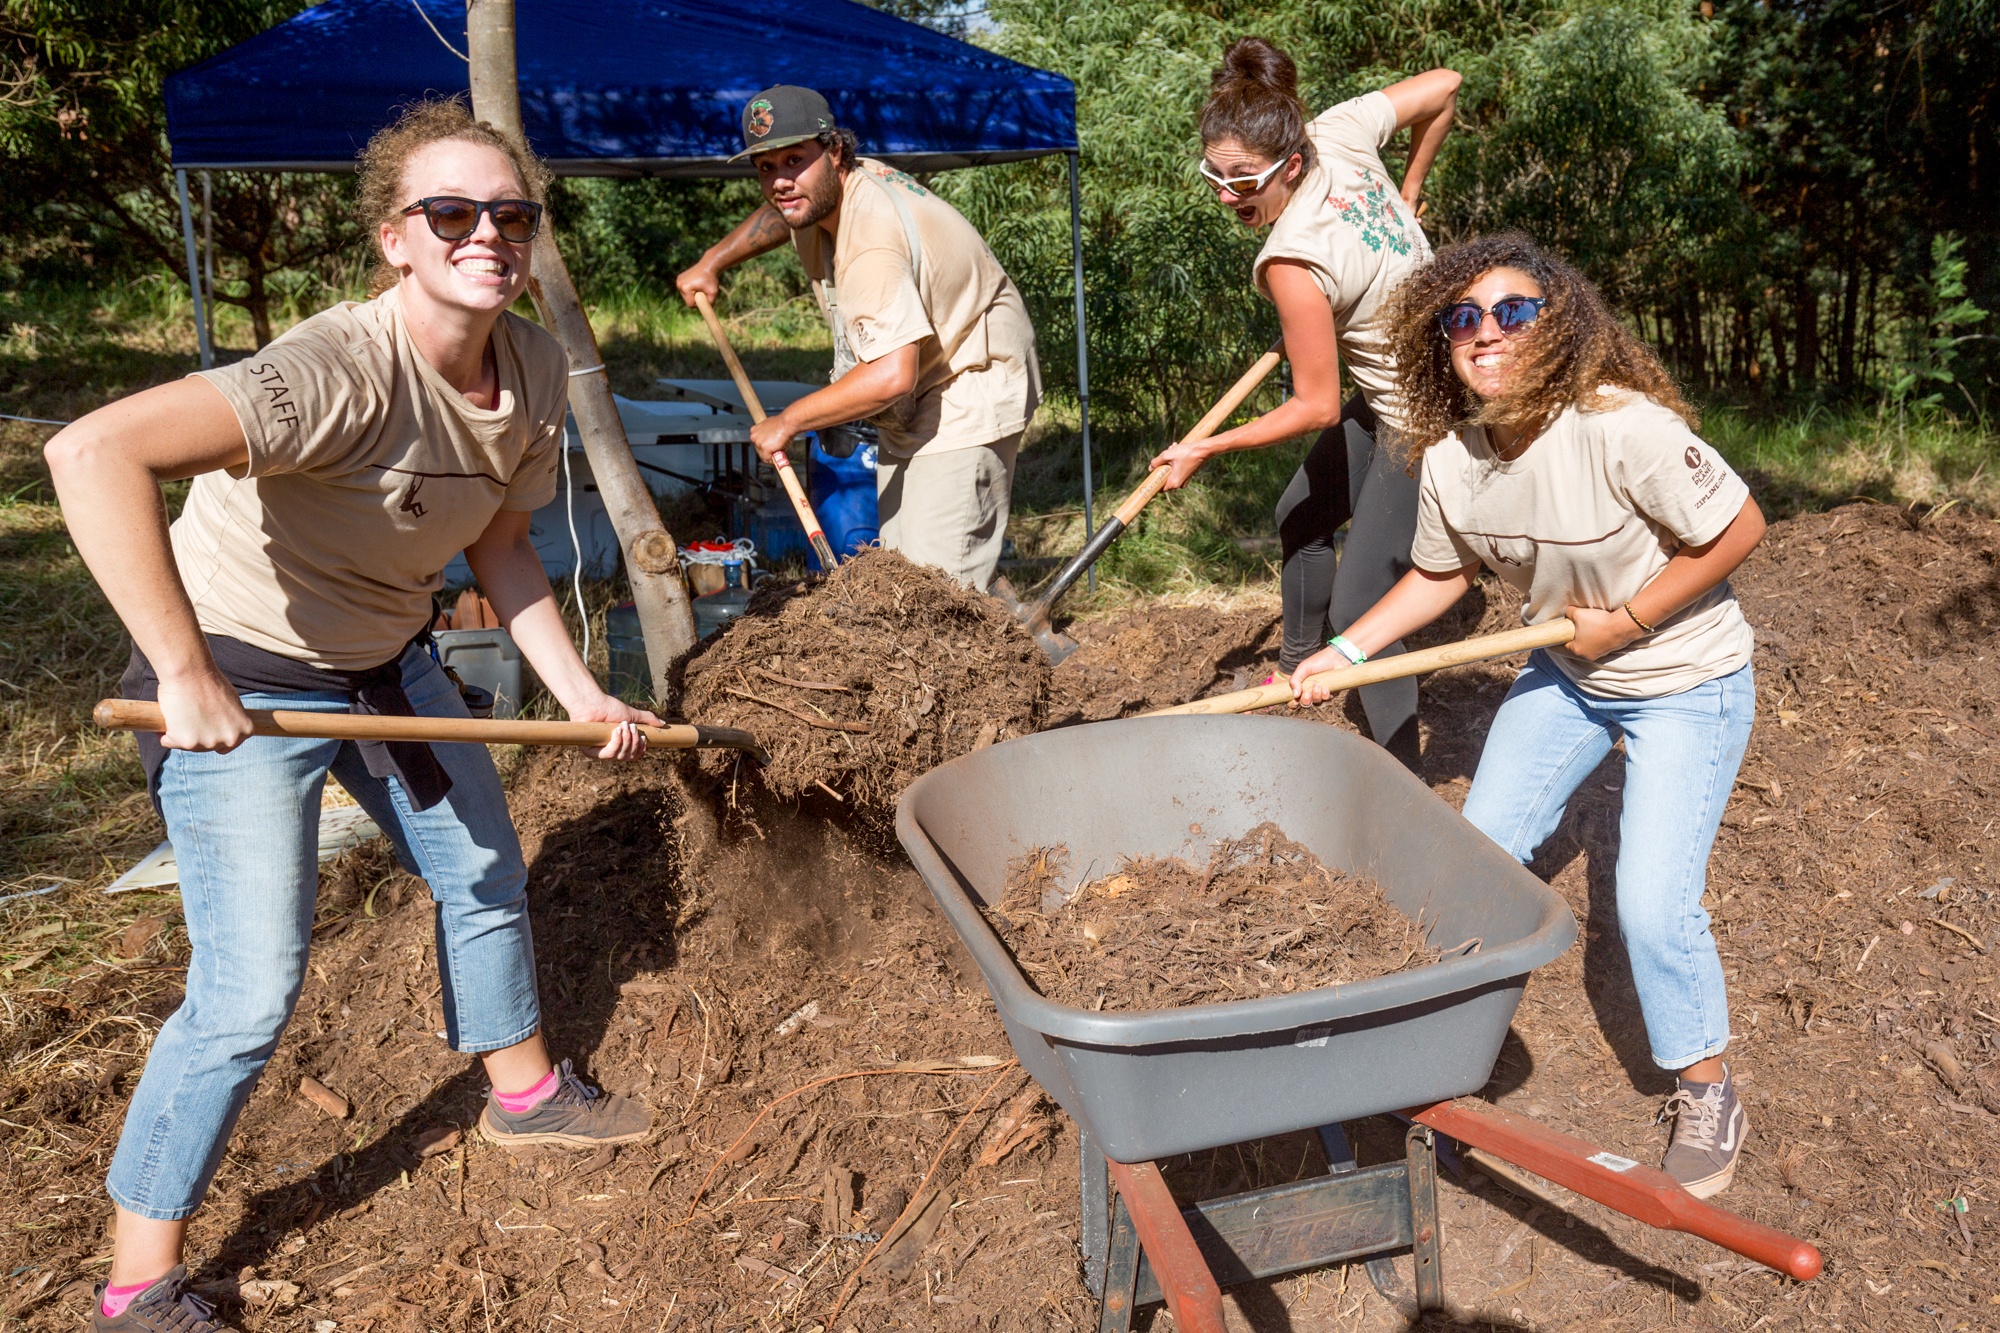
x: 1096, y: 1211
x: 1381, y: 1269
x: 1121, y: 1274
x: 1190, y: 1289
x: 1428, y: 1244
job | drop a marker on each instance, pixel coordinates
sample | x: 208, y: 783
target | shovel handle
x: 1636, y: 1190
x: 793, y: 489
x: 140, y: 715
x: 1545, y: 635
x: 1156, y: 481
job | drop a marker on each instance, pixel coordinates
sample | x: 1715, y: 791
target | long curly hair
x: 418, y: 126
x: 1568, y: 357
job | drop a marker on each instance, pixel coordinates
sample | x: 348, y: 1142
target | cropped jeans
x: 1682, y: 752
x: 245, y: 831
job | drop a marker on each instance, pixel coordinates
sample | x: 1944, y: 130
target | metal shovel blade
x: 1035, y: 619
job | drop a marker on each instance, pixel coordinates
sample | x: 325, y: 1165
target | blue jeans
x: 245, y: 830
x: 1681, y: 756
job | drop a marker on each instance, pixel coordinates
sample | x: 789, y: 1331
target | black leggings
x: 1347, y: 476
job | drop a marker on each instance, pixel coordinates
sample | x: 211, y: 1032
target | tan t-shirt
x: 1587, y: 517
x: 367, y: 473
x: 1348, y: 224
x: 977, y: 377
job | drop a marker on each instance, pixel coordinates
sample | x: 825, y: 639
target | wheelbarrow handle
x: 140, y: 715
x: 1640, y: 1191
x: 755, y: 405
x: 1545, y: 635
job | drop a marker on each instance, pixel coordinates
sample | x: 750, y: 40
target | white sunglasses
x: 1243, y: 186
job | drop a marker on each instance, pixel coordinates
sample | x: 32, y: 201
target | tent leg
x: 194, y: 272
x: 208, y: 257
x: 1082, y: 352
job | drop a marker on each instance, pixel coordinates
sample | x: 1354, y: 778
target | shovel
x: 800, y: 505
x: 1548, y: 634
x: 1035, y: 617
x: 139, y: 715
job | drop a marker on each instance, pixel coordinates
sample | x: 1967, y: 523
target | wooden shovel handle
x: 1207, y: 426
x: 793, y: 489
x: 1640, y: 1191
x: 139, y: 715
x: 1545, y: 635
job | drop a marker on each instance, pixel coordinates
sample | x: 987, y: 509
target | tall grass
x: 1820, y: 456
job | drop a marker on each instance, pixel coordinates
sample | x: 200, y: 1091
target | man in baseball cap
x: 931, y: 340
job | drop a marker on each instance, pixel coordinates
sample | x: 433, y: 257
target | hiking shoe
x: 1709, y: 1129
x: 165, y: 1307
x: 576, y: 1116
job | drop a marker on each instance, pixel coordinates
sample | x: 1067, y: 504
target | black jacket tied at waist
x: 377, y: 690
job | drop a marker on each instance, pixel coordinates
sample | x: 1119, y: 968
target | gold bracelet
x: 1635, y: 618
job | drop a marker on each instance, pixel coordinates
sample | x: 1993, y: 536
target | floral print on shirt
x: 1369, y: 210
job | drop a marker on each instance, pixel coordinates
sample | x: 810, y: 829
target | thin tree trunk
x: 1805, y: 318
x: 1781, y: 366
x: 652, y: 560
x: 1868, y: 337
x: 1850, y: 303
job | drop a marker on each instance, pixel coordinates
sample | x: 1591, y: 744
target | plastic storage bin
x: 489, y: 659
x: 629, y: 676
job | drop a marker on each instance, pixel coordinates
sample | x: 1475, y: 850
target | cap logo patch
x: 760, y: 117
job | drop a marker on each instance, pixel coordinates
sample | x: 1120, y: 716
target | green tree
x: 83, y: 136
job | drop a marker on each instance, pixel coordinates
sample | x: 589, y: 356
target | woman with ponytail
x: 1342, y: 236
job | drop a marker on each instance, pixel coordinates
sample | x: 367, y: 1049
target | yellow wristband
x: 1635, y: 618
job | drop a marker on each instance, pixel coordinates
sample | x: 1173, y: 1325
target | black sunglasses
x: 1461, y: 321
x: 453, y: 218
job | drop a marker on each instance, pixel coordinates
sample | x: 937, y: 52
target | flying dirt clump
x: 860, y: 682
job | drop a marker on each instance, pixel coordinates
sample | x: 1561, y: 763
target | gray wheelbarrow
x: 1149, y: 1084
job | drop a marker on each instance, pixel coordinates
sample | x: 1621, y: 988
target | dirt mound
x: 858, y: 683
x: 1866, y: 1048
x: 1162, y: 655
x: 1263, y: 917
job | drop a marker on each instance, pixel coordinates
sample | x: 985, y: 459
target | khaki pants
x: 949, y: 510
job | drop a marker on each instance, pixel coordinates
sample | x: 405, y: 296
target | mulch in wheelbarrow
x: 1262, y: 916
x: 859, y: 682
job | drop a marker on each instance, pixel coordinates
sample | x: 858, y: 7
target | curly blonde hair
x: 1568, y: 357
x: 418, y: 126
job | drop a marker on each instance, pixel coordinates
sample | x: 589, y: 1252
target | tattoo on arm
x: 765, y: 229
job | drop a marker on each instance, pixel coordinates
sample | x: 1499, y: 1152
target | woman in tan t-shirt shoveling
x: 336, y: 471
x: 1557, y: 453
x: 1341, y: 237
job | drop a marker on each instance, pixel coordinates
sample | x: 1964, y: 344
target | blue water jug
x: 843, y: 495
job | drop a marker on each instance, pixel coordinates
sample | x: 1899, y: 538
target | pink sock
x: 117, y: 1298
x: 513, y: 1103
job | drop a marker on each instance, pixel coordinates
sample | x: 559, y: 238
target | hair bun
x: 1256, y: 60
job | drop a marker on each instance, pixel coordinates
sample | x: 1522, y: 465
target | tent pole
x: 208, y: 255
x: 1082, y: 351
x: 194, y: 272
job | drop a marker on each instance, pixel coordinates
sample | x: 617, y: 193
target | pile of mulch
x: 1163, y: 654
x: 858, y: 683
x: 1263, y: 917
x: 1861, y: 833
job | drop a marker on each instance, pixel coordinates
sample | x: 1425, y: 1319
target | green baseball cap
x: 781, y: 116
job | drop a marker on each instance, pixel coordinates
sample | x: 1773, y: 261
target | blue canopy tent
x: 621, y: 88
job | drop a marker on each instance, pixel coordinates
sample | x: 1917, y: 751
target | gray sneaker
x: 1710, y: 1126
x: 577, y: 1116
x: 165, y: 1307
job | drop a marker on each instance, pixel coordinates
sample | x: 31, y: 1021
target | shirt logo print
x: 1370, y: 212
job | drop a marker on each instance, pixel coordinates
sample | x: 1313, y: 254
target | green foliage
x: 1934, y: 337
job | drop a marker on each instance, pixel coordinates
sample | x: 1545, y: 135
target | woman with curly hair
x: 1557, y: 452
x: 1342, y: 236
x: 336, y: 471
